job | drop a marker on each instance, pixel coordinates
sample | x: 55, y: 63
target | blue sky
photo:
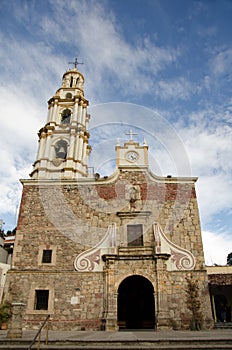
x: 170, y: 58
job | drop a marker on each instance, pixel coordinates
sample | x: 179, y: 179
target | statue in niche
x: 133, y: 195
x: 61, y: 149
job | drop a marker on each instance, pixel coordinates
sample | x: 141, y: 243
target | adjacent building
x: 220, y: 287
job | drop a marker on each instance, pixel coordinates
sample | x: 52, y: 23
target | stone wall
x: 76, y: 300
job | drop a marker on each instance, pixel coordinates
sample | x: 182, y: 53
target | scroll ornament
x: 90, y: 260
x: 180, y: 258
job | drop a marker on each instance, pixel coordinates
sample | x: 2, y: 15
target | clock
x: 132, y: 156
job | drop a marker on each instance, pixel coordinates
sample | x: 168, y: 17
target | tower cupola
x: 73, y: 78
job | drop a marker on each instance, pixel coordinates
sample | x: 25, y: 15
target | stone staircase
x: 162, y: 340
x: 174, y: 344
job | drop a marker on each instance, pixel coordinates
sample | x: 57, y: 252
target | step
x: 176, y: 344
x: 164, y: 340
x: 223, y: 325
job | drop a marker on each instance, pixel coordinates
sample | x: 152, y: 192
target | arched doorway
x: 136, y: 306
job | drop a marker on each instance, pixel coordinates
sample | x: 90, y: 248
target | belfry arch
x: 136, y: 303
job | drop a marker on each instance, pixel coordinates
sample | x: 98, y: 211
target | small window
x: 41, y: 299
x: 68, y: 95
x: 47, y: 256
x: 135, y: 235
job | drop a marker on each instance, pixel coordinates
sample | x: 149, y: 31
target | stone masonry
x: 70, y: 218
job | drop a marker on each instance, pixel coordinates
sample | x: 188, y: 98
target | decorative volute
x: 64, y: 141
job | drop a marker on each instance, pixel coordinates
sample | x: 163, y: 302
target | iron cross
x: 131, y: 135
x: 75, y: 63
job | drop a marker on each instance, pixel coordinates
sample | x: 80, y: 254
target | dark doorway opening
x: 223, y: 311
x: 136, y: 306
x: 221, y: 301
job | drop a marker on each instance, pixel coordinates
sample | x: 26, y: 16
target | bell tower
x: 64, y: 141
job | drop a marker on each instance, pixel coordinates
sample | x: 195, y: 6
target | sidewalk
x: 100, y: 336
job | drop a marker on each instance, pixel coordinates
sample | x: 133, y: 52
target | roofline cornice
x: 109, y: 179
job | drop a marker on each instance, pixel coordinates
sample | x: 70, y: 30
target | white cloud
x: 221, y: 62
x: 208, y: 141
x: 110, y: 61
x: 214, y: 195
x: 20, y: 121
x: 216, y: 247
x: 179, y: 88
x: 209, y: 152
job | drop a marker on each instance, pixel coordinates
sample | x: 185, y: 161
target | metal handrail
x: 39, y: 332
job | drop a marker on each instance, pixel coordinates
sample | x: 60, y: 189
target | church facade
x: 105, y: 253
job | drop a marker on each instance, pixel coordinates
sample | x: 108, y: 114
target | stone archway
x: 136, y: 305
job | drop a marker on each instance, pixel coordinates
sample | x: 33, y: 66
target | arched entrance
x: 136, y: 306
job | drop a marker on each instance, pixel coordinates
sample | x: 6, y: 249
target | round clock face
x: 132, y: 156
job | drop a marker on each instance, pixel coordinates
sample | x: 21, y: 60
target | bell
x: 61, y: 153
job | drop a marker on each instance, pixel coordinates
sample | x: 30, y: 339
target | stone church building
x: 103, y: 253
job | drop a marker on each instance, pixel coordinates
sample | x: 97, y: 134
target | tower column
x: 80, y: 147
x: 48, y: 146
x: 49, y: 114
x: 54, y: 114
x: 87, y: 118
x: 75, y: 111
x: 70, y: 154
x: 42, y: 142
x: 84, y: 152
x: 79, y: 118
x: 83, y: 116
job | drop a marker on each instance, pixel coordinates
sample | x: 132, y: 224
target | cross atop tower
x: 131, y: 134
x: 75, y: 63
